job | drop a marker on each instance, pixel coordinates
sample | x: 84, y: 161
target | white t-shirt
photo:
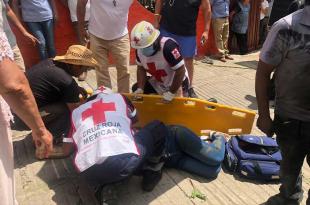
x: 72, y: 7
x: 264, y: 5
x: 108, y: 18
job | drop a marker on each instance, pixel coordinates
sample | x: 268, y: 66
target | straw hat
x: 78, y: 55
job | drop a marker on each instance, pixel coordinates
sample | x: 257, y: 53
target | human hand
x: 33, y: 40
x: 265, y: 125
x: 83, y: 93
x: 139, y: 91
x: 56, y: 19
x: 84, y: 36
x: 43, y: 141
x: 204, y: 37
x: 168, y: 97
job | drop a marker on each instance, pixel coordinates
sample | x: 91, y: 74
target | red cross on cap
x: 136, y: 40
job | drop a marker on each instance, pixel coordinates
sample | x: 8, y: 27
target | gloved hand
x: 139, y: 91
x: 168, y: 96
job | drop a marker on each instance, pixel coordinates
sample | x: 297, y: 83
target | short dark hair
x: 307, y: 2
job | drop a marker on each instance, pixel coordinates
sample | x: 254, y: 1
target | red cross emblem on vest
x: 158, y: 74
x: 97, y: 111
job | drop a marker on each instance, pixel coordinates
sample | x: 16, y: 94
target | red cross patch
x: 97, y: 111
x: 176, y: 54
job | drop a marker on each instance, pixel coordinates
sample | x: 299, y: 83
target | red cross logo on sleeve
x: 158, y: 74
x: 97, y: 111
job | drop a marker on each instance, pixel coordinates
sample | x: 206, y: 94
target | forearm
x: 53, y: 6
x: 158, y: 8
x: 206, y: 8
x: 16, y: 91
x: 177, y: 80
x: 141, y: 77
x: 81, y: 9
x: 262, y: 82
x: 16, y: 10
x: 14, y: 19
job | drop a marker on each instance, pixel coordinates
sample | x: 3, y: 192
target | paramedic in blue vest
x: 240, y: 21
x: 286, y: 51
x: 160, y: 57
x: 106, y: 148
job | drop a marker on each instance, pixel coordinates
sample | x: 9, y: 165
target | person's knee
x: 134, y: 87
x: 214, y: 171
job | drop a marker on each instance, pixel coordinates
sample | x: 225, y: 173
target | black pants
x: 293, y: 137
x: 263, y: 30
x: 242, y: 41
x: 56, y: 118
x: 150, y: 142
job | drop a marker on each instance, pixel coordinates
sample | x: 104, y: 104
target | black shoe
x: 107, y: 195
x: 279, y: 200
x: 213, y: 100
x: 150, y: 179
x: 191, y: 93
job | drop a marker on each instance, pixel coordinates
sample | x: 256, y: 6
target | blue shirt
x: 36, y: 10
x: 220, y: 8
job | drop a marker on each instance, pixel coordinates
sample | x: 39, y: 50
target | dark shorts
x: 188, y: 45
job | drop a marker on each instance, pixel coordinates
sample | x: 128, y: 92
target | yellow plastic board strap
x: 196, y: 114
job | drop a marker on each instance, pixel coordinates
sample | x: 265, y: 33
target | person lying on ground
x: 55, y: 90
x: 160, y: 57
x: 186, y: 151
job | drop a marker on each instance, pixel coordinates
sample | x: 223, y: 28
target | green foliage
x: 197, y: 194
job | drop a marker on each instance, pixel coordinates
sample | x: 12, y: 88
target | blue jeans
x: 117, y: 168
x: 44, y: 32
x: 188, y: 152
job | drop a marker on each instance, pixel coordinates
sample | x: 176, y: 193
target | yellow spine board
x: 196, y: 114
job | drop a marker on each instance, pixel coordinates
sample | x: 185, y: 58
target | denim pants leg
x: 119, y: 167
x: 198, y: 156
x: 48, y: 30
x: 37, y: 30
x: 44, y: 32
x: 293, y: 137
